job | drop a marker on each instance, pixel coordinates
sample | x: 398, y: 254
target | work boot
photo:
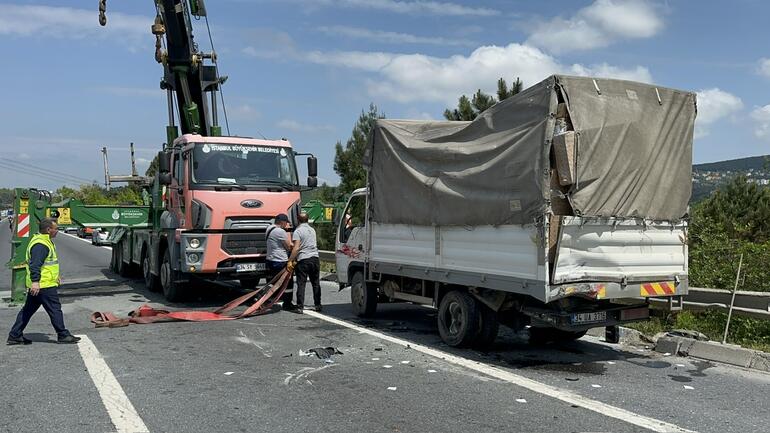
x: 299, y: 309
x: 318, y: 308
x: 68, y: 339
x: 20, y: 340
x: 288, y: 306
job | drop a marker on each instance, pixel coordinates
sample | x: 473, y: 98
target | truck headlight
x: 193, y: 258
x: 195, y: 243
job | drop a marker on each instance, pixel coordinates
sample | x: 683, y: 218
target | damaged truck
x: 560, y: 209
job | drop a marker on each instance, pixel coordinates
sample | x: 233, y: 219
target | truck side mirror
x: 312, y: 181
x: 164, y: 164
x: 312, y: 166
x: 164, y: 178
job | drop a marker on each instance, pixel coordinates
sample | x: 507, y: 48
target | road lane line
x: 121, y: 411
x: 524, y: 382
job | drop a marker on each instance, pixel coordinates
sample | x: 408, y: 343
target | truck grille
x: 244, y: 243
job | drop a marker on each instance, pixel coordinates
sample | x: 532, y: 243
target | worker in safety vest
x: 42, y: 281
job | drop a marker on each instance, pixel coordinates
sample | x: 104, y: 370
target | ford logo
x: 251, y: 203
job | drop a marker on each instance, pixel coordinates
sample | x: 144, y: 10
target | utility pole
x: 106, y: 169
x: 133, y: 161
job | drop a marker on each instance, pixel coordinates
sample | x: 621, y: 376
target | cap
x: 281, y: 217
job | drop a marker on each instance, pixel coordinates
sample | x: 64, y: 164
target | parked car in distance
x: 84, y: 232
x: 71, y: 229
x: 99, y: 236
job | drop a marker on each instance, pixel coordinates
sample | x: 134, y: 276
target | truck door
x: 351, y: 236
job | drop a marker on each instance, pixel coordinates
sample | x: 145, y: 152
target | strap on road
x: 268, y: 294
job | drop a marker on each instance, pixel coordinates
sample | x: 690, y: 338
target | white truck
x: 562, y: 208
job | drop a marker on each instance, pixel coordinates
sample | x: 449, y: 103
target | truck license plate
x: 598, y: 316
x: 249, y: 267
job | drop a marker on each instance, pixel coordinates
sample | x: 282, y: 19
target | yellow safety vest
x: 49, y: 272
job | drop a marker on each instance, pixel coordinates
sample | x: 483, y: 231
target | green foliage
x: 153, y: 168
x: 6, y: 198
x: 740, y: 210
x: 470, y: 108
x: 96, y: 195
x: 347, y: 160
x: 744, y: 331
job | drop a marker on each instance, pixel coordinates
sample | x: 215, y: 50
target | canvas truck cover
x: 633, y: 157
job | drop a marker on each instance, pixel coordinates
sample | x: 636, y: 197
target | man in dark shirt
x: 42, y: 282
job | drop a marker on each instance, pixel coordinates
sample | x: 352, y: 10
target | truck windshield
x: 237, y: 164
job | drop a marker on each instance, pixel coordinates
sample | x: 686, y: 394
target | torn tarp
x: 634, y: 151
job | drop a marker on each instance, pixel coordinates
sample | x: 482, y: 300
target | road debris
x: 324, y: 352
x: 392, y: 388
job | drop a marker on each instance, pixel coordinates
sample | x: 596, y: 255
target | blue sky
x: 304, y: 69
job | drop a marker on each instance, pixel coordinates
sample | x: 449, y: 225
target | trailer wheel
x: 150, y: 281
x: 458, y: 319
x: 489, y: 328
x: 363, y: 296
x: 171, y: 289
x: 553, y: 335
x: 114, y: 259
x: 121, y: 266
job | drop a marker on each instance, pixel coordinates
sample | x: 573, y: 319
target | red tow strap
x: 269, y: 294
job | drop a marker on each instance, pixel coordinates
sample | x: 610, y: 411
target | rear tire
x: 171, y: 289
x: 489, y: 328
x: 458, y: 319
x: 121, y: 266
x: 152, y: 282
x: 363, y: 296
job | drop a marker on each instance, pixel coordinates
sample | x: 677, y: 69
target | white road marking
x: 564, y: 395
x: 392, y: 388
x: 521, y: 400
x: 122, y: 413
x: 84, y: 240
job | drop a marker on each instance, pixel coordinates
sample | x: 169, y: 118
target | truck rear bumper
x: 580, y: 320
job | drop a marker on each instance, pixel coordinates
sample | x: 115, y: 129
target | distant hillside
x: 742, y: 164
x: 707, y: 178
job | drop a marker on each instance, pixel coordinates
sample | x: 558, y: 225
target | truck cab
x: 221, y: 195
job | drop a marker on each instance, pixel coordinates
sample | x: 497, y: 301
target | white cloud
x: 293, y: 125
x: 417, y: 77
x: 714, y: 104
x: 598, y: 25
x: 422, y: 7
x: 764, y: 67
x: 66, y: 22
x: 761, y: 115
x: 391, y: 37
x: 244, y: 112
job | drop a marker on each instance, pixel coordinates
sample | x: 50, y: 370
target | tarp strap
x: 268, y: 294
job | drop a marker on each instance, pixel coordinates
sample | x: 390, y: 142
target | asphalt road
x: 250, y: 375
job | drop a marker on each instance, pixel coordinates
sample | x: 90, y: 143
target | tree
x: 348, y: 160
x: 740, y: 210
x: 470, y: 108
x: 153, y: 168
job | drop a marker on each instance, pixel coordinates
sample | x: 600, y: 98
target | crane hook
x: 103, y: 12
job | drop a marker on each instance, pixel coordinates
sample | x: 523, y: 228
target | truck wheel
x: 114, y: 259
x: 489, y: 328
x: 363, y: 296
x: 150, y: 280
x: 458, y: 319
x: 121, y: 266
x: 171, y: 289
x: 553, y: 335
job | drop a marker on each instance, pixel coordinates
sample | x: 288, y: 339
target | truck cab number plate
x: 599, y: 316
x: 249, y: 267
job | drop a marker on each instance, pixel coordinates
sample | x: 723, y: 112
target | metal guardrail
x: 326, y: 256
x: 748, y: 304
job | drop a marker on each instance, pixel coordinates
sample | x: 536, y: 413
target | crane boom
x: 185, y: 74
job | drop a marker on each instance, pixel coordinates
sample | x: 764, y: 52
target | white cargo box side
x: 508, y: 258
